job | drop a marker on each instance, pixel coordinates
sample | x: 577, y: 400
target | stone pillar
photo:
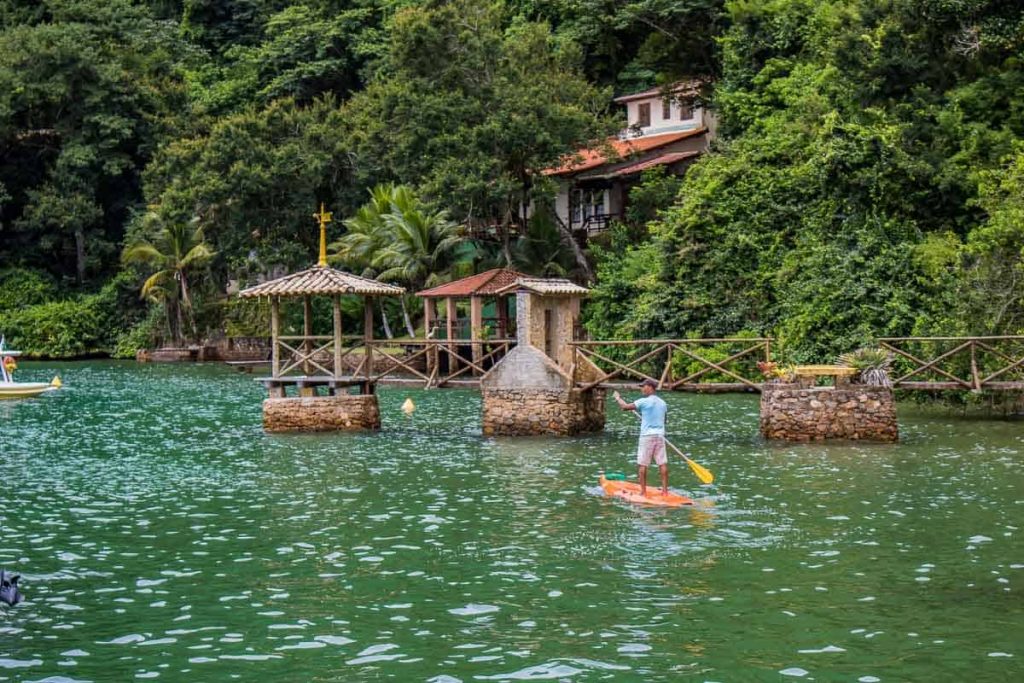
x: 343, y: 412
x: 790, y: 412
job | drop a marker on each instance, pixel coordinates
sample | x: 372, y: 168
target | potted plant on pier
x: 872, y: 365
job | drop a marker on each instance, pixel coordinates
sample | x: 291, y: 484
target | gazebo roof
x: 490, y: 282
x: 321, y: 280
x: 552, y: 286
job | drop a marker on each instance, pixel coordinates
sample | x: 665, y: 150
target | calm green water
x: 161, y: 534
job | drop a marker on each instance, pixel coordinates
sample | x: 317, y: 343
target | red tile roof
x: 481, y: 284
x: 586, y: 159
x: 660, y: 160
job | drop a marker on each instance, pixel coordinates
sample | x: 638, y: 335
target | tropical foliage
x: 868, y: 184
x: 176, y: 252
x: 866, y: 180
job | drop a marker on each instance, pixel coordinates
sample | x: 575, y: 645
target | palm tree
x: 367, y: 234
x: 396, y: 237
x: 420, y: 241
x: 175, y: 250
x: 419, y: 245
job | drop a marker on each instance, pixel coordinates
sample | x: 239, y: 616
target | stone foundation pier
x: 790, y: 412
x: 528, y: 394
x: 519, y: 412
x: 343, y: 412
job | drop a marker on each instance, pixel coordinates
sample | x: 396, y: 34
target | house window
x: 643, y: 114
x: 666, y: 109
x: 586, y: 204
x: 685, y: 112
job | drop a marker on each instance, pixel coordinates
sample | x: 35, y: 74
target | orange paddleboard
x: 630, y: 492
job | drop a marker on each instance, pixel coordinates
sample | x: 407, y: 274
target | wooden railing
x: 727, y: 364
x: 969, y: 363
x: 433, y: 351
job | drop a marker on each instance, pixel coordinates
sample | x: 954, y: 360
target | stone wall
x: 793, y: 413
x: 533, y: 312
x: 526, y: 412
x: 345, y: 412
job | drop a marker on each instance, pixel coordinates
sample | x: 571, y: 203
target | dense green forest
x: 868, y: 177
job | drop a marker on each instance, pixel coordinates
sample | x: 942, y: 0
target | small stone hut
x: 532, y: 390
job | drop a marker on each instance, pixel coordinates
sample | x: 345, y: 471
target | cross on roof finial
x: 324, y: 217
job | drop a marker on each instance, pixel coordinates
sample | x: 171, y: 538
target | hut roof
x: 322, y: 280
x: 482, y: 284
x: 556, y: 286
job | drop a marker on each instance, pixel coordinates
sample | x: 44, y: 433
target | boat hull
x: 23, y: 389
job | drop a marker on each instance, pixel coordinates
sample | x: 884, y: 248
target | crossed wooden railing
x: 316, y: 355
x: 432, y: 351
x: 724, y: 364
x: 664, y: 360
x: 971, y: 363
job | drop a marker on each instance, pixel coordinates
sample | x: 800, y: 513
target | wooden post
x: 337, y: 336
x: 975, y: 378
x: 428, y: 323
x: 275, y: 333
x: 502, y: 306
x: 368, y: 336
x: 307, y: 332
x: 476, y: 323
x: 452, y: 314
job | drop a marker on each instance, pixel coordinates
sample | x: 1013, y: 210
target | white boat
x: 11, y: 389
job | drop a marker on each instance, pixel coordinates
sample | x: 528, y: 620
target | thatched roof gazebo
x: 305, y: 352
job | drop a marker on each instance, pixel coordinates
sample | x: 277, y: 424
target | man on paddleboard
x: 652, y: 433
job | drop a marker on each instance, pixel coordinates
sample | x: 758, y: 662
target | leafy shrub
x: 82, y: 326
x: 142, y: 335
x: 21, y: 288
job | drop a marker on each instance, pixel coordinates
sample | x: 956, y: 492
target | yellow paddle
x: 703, y: 473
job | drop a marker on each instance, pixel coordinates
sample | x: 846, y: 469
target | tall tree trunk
x: 384, y: 319
x: 506, y: 247
x: 405, y: 315
x: 80, y: 254
x: 180, y: 332
x: 186, y: 304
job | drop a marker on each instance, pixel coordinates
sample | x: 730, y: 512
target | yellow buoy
x: 408, y: 407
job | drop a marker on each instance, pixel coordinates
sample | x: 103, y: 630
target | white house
x: 666, y: 127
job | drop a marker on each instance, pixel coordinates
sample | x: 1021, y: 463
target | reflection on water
x: 161, y: 534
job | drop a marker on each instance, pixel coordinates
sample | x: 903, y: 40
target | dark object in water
x: 9, y: 589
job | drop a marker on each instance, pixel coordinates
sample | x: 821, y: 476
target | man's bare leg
x: 641, y: 471
x: 664, y: 478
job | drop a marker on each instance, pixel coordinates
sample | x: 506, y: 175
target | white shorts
x: 652, y: 446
